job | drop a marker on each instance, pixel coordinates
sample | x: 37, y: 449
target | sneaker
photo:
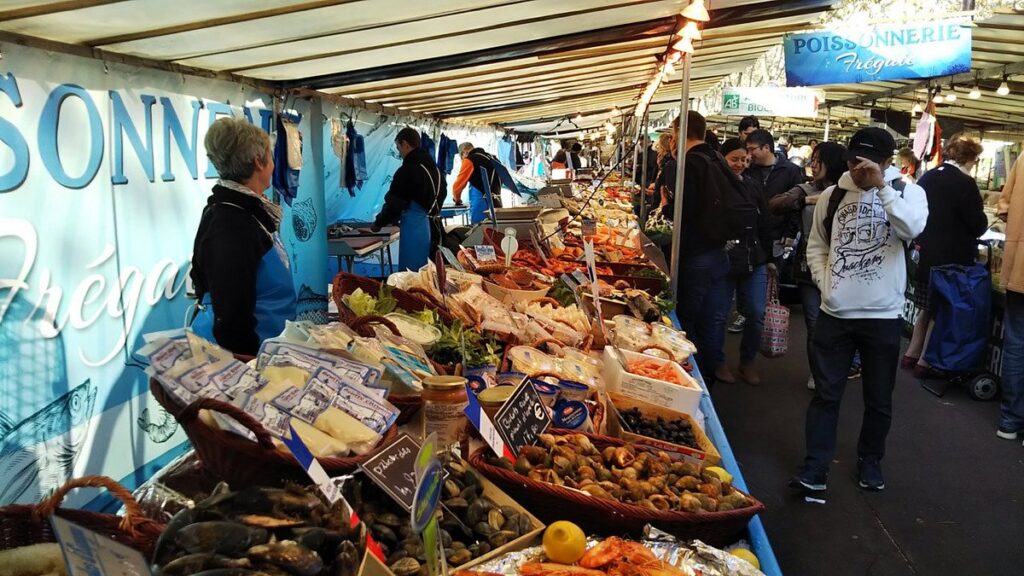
x: 870, y: 473
x: 810, y: 382
x: 737, y: 325
x: 811, y: 486
x: 854, y: 373
x: 1006, y: 433
x: 722, y: 374
x: 749, y: 374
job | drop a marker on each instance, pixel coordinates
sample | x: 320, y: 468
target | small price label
x: 522, y: 417
x: 394, y: 469
x: 589, y: 227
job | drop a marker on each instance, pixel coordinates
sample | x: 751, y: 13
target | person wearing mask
x: 240, y: 270
x: 473, y: 161
x: 857, y: 257
x: 828, y: 162
x: 909, y: 164
x: 1011, y: 211
x: 747, y: 278
x: 703, y: 261
x: 956, y: 218
x: 418, y: 190
x: 747, y: 125
x: 774, y: 175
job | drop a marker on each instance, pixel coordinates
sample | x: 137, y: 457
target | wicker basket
x: 551, y: 503
x: 346, y: 283
x: 23, y: 525
x: 239, y: 461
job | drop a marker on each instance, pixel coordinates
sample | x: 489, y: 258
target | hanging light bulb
x: 1004, y: 88
x: 696, y: 11
x: 690, y: 30
x: 610, y: 128
x: 578, y: 118
x: 670, y: 69
x: 951, y: 96
x: 975, y: 93
x: 615, y: 110
x: 917, y: 109
x: 938, y: 98
x: 684, y: 45
x: 674, y: 57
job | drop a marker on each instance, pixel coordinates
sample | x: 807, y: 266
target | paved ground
x: 954, y: 501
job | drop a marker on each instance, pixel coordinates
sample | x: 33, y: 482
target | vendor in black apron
x: 417, y: 193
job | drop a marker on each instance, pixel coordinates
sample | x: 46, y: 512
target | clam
x: 458, y: 505
x: 502, y: 537
x: 406, y: 567
x: 451, y: 488
x: 459, y: 557
x: 484, y: 529
x: 495, y: 518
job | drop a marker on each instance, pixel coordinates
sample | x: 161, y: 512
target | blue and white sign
x: 87, y: 553
x: 885, y: 52
x: 103, y: 178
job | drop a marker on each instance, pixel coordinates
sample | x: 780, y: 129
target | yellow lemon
x: 564, y: 542
x: 720, y: 472
x: 746, y: 555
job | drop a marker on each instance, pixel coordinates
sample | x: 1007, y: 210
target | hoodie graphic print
x: 861, y: 270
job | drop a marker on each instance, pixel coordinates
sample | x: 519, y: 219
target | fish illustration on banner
x: 39, y: 453
x: 158, y: 431
x: 304, y: 219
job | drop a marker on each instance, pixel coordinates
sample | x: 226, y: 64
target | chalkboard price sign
x: 394, y: 469
x: 522, y: 418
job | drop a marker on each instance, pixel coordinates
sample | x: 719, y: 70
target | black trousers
x: 835, y: 343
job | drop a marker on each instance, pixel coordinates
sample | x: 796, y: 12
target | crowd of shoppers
x: 853, y: 231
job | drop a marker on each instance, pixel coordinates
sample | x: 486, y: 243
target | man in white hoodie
x: 856, y: 255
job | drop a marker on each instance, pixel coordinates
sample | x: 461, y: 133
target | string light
x: 674, y: 57
x: 610, y: 128
x: 696, y: 11
x: 690, y: 31
x: 951, y: 95
x: 684, y: 45
x: 938, y: 98
x: 578, y: 118
x: 975, y: 93
x: 615, y: 110
x: 917, y: 108
x: 1004, y: 88
x: 669, y: 69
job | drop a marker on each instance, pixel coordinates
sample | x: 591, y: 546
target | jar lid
x: 444, y: 382
x: 496, y: 395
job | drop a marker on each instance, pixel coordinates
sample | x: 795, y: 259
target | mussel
x: 289, y: 556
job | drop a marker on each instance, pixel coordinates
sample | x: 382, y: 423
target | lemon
x: 564, y: 542
x: 720, y: 472
x: 746, y: 555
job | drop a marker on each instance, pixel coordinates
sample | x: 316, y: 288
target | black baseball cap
x: 875, y: 144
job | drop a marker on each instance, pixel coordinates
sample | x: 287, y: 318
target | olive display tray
x: 373, y: 566
x: 707, y: 455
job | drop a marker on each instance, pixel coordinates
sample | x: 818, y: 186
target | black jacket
x: 956, y: 218
x: 481, y: 159
x: 417, y: 180
x: 560, y: 156
x: 776, y: 179
x: 666, y: 177
x: 698, y: 207
x: 226, y: 255
x: 756, y: 249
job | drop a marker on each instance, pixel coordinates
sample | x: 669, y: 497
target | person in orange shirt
x: 473, y: 161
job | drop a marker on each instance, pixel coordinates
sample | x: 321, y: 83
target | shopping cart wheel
x: 984, y: 386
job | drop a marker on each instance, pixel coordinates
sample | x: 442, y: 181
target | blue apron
x: 275, y: 297
x: 414, y: 241
x: 479, y: 205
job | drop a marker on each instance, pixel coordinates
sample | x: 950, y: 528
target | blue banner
x: 889, y: 52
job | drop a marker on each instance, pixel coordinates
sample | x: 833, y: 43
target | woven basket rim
x: 623, y: 509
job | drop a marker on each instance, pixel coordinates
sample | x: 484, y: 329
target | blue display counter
x: 757, y: 536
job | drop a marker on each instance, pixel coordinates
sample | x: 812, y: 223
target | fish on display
x: 38, y: 454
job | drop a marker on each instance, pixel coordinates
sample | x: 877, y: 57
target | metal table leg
x: 391, y: 264
x: 380, y: 257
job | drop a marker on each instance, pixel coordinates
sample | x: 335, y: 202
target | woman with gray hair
x: 239, y: 266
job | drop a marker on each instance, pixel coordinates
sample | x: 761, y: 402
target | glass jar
x: 492, y: 399
x: 444, y: 404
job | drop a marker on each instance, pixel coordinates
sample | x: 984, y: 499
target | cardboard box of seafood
x: 684, y: 397
x: 706, y: 455
x: 372, y: 566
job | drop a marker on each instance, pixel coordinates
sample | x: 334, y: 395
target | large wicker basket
x: 550, y: 503
x: 24, y: 525
x: 416, y: 301
x: 239, y: 461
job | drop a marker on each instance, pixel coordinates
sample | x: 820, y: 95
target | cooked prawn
x: 552, y: 569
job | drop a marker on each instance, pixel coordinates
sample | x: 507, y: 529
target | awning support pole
x: 828, y: 122
x: 677, y: 211
x: 643, y: 177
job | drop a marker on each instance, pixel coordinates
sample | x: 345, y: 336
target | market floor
x: 954, y: 497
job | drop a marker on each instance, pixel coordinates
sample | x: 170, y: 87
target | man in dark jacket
x: 418, y: 190
x: 774, y: 175
x: 703, y: 261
